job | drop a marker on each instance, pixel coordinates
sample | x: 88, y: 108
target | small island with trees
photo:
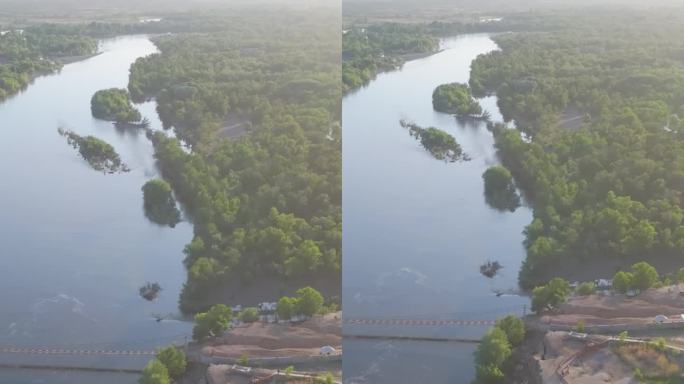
x: 456, y: 98
x: 159, y: 204
x: 99, y: 154
x: 500, y: 192
x: 114, y: 104
x: 440, y: 144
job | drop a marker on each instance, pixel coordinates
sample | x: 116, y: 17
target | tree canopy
x: 440, y: 144
x: 612, y: 186
x: 27, y: 53
x: 155, y: 372
x: 115, y: 105
x: 265, y: 202
x: 551, y: 295
x: 99, y: 154
x: 381, y: 47
x: 173, y: 359
x: 455, y: 98
x: 159, y: 204
x: 499, y: 189
x: 212, y: 323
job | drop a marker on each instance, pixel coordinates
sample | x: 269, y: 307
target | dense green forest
x: 25, y: 54
x: 377, y: 48
x: 29, y: 49
x: 370, y: 49
x: 265, y: 204
x: 611, y: 186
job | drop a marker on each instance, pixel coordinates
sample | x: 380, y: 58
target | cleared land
x: 259, y: 340
x: 619, y: 309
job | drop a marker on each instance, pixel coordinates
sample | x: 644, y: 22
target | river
x: 416, y: 229
x: 76, y: 243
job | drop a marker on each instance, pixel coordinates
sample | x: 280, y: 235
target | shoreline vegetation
x: 369, y: 49
x: 610, y: 188
x: 441, y: 145
x: 28, y: 53
x: 100, y: 155
x: 265, y: 205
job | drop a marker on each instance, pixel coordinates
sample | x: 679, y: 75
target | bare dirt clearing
x: 619, y: 309
x: 280, y: 340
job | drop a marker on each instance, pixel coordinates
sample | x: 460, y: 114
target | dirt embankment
x: 619, y: 309
x: 280, y: 340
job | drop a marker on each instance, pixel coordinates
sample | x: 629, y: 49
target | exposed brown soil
x: 280, y: 340
x: 597, y: 367
x: 619, y: 309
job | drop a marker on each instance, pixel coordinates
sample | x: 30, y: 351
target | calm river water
x: 76, y: 245
x: 416, y: 229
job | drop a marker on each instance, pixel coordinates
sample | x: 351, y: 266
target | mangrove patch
x: 159, y: 204
x: 456, y: 98
x: 114, y: 104
x: 440, y: 144
x: 99, y: 154
x: 500, y: 192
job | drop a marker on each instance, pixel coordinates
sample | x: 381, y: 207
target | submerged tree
x: 99, y: 154
x: 159, y: 204
x: 440, y: 144
x: 150, y: 291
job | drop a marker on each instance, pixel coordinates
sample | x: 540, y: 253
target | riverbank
x: 612, y: 308
x: 573, y: 269
x: 271, y: 340
x: 264, y: 289
x: 85, y: 241
x: 64, y: 60
x: 417, y: 230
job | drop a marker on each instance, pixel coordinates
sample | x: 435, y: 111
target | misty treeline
x: 24, y: 54
x: 368, y: 49
x: 613, y: 185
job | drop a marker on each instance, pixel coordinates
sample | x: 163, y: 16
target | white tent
x: 327, y: 350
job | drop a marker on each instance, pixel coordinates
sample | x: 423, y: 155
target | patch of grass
x: 652, y: 362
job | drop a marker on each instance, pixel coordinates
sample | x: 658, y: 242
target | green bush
x: 174, y: 360
x: 155, y: 373
x: 586, y: 288
x: 249, y: 315
x: 212, y: 323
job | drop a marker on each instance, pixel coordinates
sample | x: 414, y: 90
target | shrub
x: 586, y: 289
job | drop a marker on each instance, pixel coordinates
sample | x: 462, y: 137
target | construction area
x: 612, y: 338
